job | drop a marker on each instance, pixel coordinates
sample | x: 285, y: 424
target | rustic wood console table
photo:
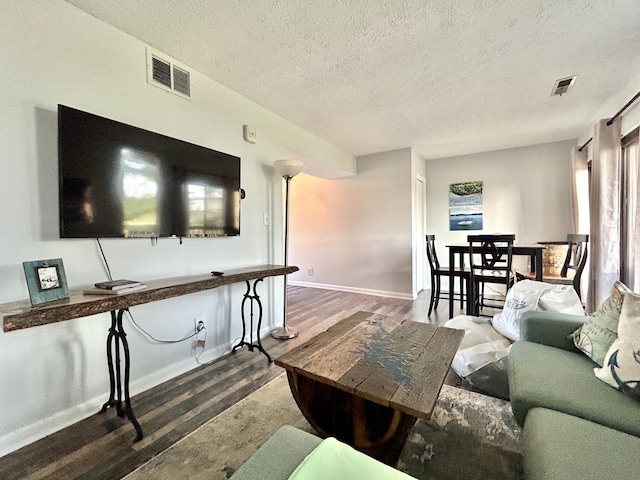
x: 20, y: 315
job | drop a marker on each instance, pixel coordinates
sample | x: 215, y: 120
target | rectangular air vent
x: 164, y: 73
x: 161, y: 71
x: 562, y: 85
x: 181, y: 81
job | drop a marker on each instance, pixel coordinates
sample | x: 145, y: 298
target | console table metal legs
x: 117, y: 341
x: 116, y: 337
x: 253, y: 298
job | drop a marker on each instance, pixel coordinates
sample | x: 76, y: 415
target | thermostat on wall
x: 249, y: 134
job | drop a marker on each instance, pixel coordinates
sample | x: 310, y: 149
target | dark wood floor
x: 101, y: 447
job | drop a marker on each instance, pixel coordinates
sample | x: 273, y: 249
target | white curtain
x: 580, y: 190
x: 604, y: 208
x: 580, y: 206
x: 634, y: 250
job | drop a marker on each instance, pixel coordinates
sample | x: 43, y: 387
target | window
x: 630, y: 224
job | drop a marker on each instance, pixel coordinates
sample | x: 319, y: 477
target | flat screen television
x: 117, y: 180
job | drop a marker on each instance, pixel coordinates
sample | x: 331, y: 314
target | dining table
x: 533, y: 251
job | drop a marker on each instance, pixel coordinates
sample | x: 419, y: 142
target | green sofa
x: 574, y: 425
x: 279, y: 456
x: 292, y: 453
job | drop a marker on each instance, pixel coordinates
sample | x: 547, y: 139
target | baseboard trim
x: 31, y: 433
x: 364, y: 291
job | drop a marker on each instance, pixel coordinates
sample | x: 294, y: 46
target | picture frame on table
x: 46, y: 280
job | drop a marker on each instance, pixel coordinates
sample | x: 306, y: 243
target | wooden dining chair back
x: 490, y: 261
x: 438, y: 271
x: 573, y: 266
x: 574, y: 262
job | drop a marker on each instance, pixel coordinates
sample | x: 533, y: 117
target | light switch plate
x: 249, y: 134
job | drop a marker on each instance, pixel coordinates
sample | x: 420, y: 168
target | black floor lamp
x: 287, y: 169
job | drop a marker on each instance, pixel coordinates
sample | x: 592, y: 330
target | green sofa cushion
x: 543, y: 376
x: 559, y: 446
x: 335, y: 460
x: 279, y: 456
x: 551, y: 328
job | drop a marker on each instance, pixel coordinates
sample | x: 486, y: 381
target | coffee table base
x: 373, y: 429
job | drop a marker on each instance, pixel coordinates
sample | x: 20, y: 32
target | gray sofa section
x: 572, y: 422
x: 279, y: 456
x: 561, y: 446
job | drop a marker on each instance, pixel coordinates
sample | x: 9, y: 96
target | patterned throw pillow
x: 598, y: 333
x: 622, y: 364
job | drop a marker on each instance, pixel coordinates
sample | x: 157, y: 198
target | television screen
x: 117, y: 180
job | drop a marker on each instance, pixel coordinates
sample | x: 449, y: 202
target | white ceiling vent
x: 181, y: 81
x: 562, y: 85
x: 165, y: 74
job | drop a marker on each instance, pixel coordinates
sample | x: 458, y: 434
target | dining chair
x: 573, y: 266
x: 490, y: 260
x: 438, y: 271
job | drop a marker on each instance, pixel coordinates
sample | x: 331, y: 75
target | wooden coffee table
x: 368, y: 378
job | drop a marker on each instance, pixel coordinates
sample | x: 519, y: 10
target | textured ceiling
x: 447, y: 77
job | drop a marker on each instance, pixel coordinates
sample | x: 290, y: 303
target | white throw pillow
x: 621, y: 367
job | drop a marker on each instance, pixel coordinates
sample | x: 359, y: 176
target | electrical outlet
x: 198, y: 344
x: 309, y: 271
x: 198, y: 324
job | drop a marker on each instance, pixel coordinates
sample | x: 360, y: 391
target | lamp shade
x: 287, y: 168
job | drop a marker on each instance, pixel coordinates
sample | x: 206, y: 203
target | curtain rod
x: 585, y: 144
x: 612, y: 119
x: 623, y: 109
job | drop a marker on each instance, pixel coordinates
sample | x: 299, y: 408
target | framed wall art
x: 46, y: 280
x: 465, y: 206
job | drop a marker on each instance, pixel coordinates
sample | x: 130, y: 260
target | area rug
x: 470, y: 436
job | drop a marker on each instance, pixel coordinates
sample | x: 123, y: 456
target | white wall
x: 525, y: 191
x: 356, y: 232
x: 418, y: 216
x: 360, y: 233
x: 52, y: 53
